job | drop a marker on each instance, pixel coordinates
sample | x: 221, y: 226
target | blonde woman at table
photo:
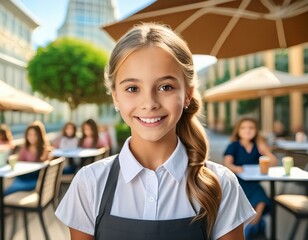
x: 245, y: 148
x: 35, y: 149
x: 160, y: 186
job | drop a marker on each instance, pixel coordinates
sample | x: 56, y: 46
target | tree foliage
x: 71, y: 71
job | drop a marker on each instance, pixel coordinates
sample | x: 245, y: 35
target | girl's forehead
x: 247, y: 122
x: 31, y: 131
x: 150, y: 60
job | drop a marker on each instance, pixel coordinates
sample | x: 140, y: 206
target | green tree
x: 70, y: 70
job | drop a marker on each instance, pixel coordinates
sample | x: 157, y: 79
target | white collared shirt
x: 146, y: 194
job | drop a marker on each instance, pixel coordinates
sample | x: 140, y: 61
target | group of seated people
x: 37, y: 147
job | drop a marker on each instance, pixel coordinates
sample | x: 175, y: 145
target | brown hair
x: 65, y: 127
x: 5, y: 133
x: 202, y: 183
x: 42, y: 142
x: 235, y: 133
x: 92, y: 124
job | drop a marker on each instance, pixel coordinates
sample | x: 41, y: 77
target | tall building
x: 16, y: 26
x: 84, y: 19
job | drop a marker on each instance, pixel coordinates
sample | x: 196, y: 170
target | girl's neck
x: 245, y: 141
x: 151, y: 154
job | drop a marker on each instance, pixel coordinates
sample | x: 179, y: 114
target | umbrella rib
x: 285, y: 11
x: 217, y: 10
x: 176, y: 9
x: 231, y: 24
x: 280, y: 33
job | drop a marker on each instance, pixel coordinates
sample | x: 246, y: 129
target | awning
x: 17, y: 100
x: 256, y: 83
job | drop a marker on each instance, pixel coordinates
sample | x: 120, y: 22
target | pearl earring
x: 186, y: 107
x: 116, y: 109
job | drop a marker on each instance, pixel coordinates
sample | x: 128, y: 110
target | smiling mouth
x: 150, y: 120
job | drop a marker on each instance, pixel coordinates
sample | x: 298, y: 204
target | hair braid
x: 202, y: 183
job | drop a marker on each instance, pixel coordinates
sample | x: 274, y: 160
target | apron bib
x: 108, y: 227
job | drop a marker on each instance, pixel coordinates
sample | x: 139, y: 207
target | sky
x: 50, y: 15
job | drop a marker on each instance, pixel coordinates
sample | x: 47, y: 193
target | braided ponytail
x: 202, y: 184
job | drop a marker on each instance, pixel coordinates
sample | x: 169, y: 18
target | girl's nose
x: 150, y: 101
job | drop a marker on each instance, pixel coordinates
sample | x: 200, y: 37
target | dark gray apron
x: 108, y: 227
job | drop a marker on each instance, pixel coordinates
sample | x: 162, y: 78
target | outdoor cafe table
x: 252, y: 173
x: 292, y: 146
x: 82, y: 153
x: 20, y: 168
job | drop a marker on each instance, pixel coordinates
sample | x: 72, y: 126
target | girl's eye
x: 132, y: 89
x: 165, y: 88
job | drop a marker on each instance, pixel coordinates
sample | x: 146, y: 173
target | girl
x: 35, y: 149
x: 246, y: 148
x: 160, y: 186
x: 90, y: 136
x: 67, y: 141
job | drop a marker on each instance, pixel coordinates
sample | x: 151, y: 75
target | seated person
x: 246, y: 148
x: 35, y: 149
x: 68, y: 140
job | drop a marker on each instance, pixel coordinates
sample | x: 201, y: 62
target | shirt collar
x: 175, y: 165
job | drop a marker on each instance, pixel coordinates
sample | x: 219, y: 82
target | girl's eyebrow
x: 131, y: 80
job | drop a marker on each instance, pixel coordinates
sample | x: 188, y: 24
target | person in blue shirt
x: 161, y: 185
x: 245, y: 148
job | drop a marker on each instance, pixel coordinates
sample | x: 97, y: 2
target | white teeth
x: 150, y: 120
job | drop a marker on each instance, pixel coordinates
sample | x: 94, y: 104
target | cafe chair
x: 296, y: 205
x: 38, y: 199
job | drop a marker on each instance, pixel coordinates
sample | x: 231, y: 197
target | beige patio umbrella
x: 227, y: 28
x: 16, y: 100
x: 257, y: 83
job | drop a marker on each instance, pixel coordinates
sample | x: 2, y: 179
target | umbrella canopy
x: 227, y: 28
x: 14, y: 99
x: 256, y: 83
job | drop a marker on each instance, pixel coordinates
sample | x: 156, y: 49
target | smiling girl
x: 160, y: 186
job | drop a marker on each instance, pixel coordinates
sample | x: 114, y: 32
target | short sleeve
x: 230, y: 149
x: 75, y: 209
x: 234, y: 209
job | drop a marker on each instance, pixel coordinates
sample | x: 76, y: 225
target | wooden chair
x: 297, y: 205
x: 37, y: 200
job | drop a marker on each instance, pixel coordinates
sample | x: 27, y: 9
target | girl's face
x: 69, y: 130
x: 32, y: 137
x: 87, y: 130
x: 150, y: 93
x: 247, y: 130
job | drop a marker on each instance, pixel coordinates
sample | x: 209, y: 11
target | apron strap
x: 107, y: 197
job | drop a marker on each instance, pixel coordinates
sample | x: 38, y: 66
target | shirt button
x: 151, y: 174
x: 151, y: 199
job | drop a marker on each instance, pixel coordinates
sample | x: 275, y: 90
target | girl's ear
x: 114, y: 98
x: 189, y: 95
